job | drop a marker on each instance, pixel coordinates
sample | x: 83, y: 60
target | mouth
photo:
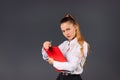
x: 68, y: 36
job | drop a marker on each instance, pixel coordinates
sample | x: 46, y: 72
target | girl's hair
x: 79, y: 36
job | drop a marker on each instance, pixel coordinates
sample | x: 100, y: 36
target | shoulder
x: 85, y: 44
x: 65, y: 42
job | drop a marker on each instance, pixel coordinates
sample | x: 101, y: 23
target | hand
x: 47, y: 45
x: 50, y: 60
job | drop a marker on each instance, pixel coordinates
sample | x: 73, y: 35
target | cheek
x: 73, y: 32
x: 63, y: 34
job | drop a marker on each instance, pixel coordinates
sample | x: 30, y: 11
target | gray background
x: 26, y: 24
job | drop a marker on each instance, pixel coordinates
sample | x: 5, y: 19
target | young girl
x: 75, y: 49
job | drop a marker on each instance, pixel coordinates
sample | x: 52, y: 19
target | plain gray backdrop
x: 26, y: 24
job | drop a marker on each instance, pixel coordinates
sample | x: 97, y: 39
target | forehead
x: 66, y: 25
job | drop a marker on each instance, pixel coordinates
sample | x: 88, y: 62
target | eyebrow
x: 65, y: 29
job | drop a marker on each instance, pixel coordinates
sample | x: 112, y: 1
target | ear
x: 75, y: 26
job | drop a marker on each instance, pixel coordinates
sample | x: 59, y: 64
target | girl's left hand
x: 50, y: 60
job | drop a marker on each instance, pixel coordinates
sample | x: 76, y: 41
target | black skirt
x: 62, y: 76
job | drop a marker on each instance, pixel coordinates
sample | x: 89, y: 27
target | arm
x: 83, y: 60
x: 44, y: 54
x: 74, y: 59
x: 69, y: 66
x: 46, y: 45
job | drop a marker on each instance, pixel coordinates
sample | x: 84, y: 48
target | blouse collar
x: 74, y: 41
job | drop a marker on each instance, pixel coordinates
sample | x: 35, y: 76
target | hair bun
x: 68, y: 15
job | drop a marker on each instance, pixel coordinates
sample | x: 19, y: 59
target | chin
x: 70, y: 38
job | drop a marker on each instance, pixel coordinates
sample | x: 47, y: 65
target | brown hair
x: 70, y: 18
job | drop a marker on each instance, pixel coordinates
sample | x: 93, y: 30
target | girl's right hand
x: 47, y: 45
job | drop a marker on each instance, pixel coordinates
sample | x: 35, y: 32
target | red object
x: 55, y: 53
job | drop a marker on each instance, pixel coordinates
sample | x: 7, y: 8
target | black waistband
x: 68, y: 74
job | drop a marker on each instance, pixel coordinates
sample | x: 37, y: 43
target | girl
x: 75, y: 49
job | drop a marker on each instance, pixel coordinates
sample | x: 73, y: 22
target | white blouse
x: 71, y: 50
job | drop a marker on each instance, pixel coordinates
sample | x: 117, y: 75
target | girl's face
x: 68, y: 30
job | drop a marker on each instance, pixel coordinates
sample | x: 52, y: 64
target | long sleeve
x: 73, y: 57
x: 71, y: 65
x: 85, y: 54
x: 71, y: 51
x: 44, y: 54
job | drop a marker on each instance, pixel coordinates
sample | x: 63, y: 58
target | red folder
x: 55, y: 53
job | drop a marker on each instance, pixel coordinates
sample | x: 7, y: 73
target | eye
x: 63, y: 31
